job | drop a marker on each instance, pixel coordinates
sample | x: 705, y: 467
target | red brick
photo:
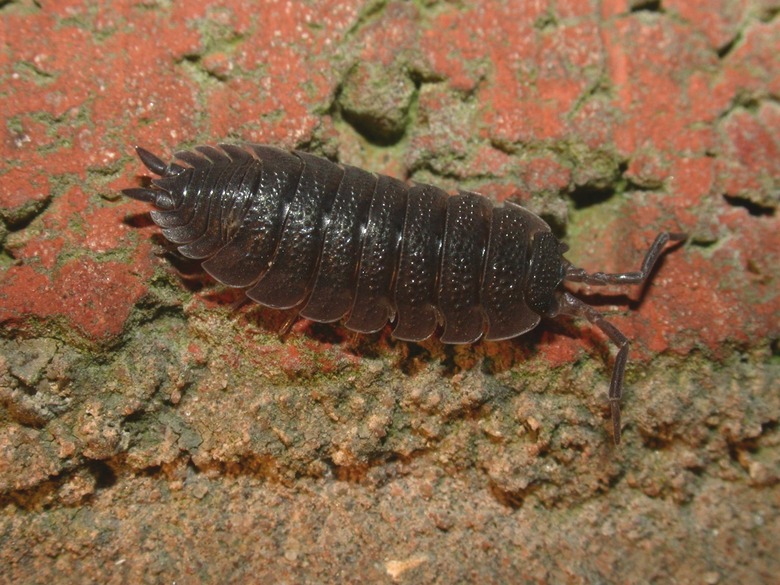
x: 719, y: 20
x: 94, y: 298
x: 752, y: 166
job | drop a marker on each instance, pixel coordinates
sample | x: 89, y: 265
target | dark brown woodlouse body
x: 337, y: 243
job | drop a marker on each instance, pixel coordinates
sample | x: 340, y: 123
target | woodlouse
x: 337, y: 242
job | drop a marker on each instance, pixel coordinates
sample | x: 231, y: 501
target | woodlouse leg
x: 287, y: 326
x: 571, y: 305
x: 603, y: 278
x: 237, y: 304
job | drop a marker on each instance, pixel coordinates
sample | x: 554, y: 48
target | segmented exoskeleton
x: 337, y: 243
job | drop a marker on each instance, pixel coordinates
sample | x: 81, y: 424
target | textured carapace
x: 335, y: 242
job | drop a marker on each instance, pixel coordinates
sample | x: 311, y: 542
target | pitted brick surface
x: 152, y: 431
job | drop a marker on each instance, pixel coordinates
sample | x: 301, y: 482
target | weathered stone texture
x: 150, y: 431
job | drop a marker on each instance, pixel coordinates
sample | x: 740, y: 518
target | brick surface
x: 151, y: 429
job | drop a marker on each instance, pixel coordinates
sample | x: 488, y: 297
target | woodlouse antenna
x: 572, y: 306
x: 602, y: 278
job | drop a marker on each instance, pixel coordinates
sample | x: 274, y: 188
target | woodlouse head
x: 546, y: 272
